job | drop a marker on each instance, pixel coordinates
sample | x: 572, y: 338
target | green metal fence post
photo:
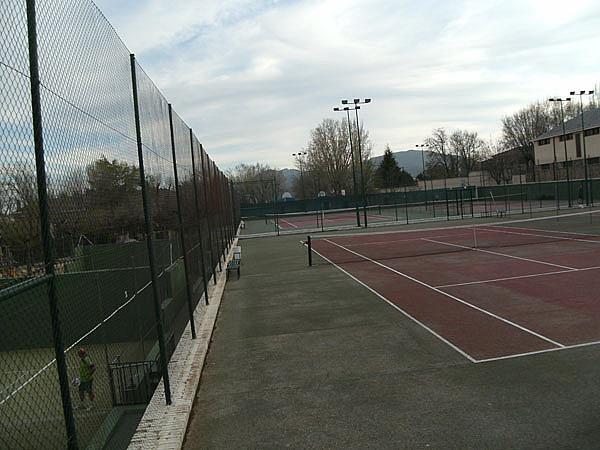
x: 221, y: 204
x: 149, y: 238
x: 233, y: 208
x: 199, y: 216
x: 45, y: 227
x: 184, y: 249
x: 208, y: 221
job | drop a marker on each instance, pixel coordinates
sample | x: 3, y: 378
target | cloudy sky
x: 254, y: 77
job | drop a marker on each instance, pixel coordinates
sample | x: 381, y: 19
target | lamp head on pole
x: 336, y: 109
x: 344, y: 102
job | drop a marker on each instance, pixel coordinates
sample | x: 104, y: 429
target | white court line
x: 560, y: 238
x: 475, y: 249
x: 444, y: 340
x: 289, y: 223
x: 446, y: 294
x: 362, y: 244
x: 517, y: 277
x: 537, y: 352
x: 553, y: 231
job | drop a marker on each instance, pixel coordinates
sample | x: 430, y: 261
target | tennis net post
x: 309, y: 248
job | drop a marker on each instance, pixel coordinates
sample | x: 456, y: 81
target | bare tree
x: 467, y: 148
x: 256, y: 183
x: 330, y: 159
x: 442, y: 162
x: 521, y: 128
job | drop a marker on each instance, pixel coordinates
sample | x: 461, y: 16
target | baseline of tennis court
x: 490, y: 292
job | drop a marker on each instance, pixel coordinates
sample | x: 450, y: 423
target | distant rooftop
x: 591, y: 119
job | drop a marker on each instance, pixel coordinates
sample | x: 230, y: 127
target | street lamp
x: 585, y: 162
x: 357, y: 102
x: 422, y: 147
x: 562, y: 118
x: 354, y: 189
x: 300, y: 158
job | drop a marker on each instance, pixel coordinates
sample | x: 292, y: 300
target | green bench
x: 234, y: 264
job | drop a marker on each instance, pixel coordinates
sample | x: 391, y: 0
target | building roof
x: 591, y: 119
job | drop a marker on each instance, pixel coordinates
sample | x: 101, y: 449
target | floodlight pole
x: 358, y: 102
x: 299, y: 157
x: 556, y: 193
x: 585, y: 162
x: 562, y: 118
x: 422, y: 146
x: 354, y: 188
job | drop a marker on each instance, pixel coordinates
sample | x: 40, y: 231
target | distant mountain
x: 411, y: 160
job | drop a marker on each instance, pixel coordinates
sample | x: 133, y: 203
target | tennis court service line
x: 475, y: 249
x: 549, y: 236
x: 392, y: 241
x: 396, y: 307
x: 517, y: 277
x: 452, y: 297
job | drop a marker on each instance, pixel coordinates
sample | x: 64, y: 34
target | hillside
x: 411, y: 160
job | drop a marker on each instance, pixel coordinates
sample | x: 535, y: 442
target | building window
x: 592, y: 131
x: 578, y: 144
x: 566, y: 137
x: 543, y: 142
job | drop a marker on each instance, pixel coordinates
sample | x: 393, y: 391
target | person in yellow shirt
x: 86, y: 377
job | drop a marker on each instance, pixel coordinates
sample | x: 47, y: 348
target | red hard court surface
x: 443, y: 265
x: 476, y: 333
x: 563, y: 307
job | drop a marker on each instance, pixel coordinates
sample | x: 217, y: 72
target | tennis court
x: 489, y: 291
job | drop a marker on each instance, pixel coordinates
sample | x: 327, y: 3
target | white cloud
x: 253, y: 77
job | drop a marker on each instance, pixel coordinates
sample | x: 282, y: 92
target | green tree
x: 388, y: 173
x: 114, y: 199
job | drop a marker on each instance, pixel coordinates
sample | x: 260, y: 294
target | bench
x: 234, y: 264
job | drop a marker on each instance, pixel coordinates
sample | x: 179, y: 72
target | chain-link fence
x: 113, y: 220
x: 407, y: 205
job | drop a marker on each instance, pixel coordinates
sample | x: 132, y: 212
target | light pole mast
x: 300, y: 159
x: 564, y: 136
x: 422, y: 147
x: 357, y: 102
x: 354, y: 188
x: 585, y: 161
